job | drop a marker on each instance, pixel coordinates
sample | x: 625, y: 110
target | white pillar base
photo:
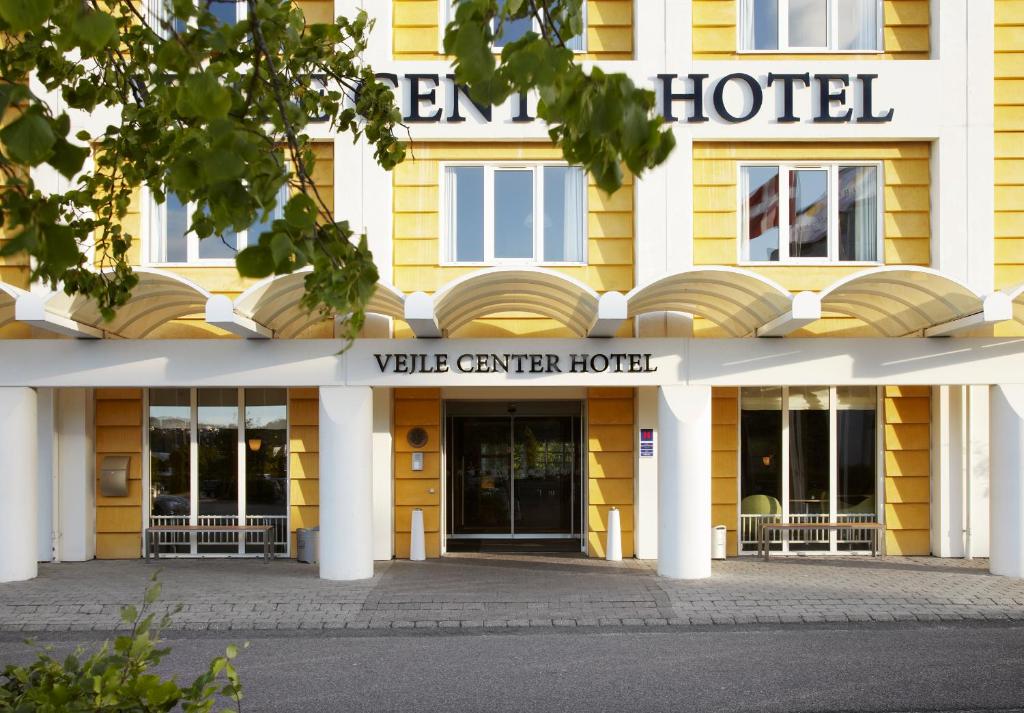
x: 346, y: 483
x: 18, y: 484
x: 684, y: 482
x: 1006, y: 546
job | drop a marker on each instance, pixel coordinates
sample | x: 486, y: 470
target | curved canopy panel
x: 737, y: 300
x: 9, y: 294
x: 276, y: 303
x: 546, y: 293
x: 160, y: 297
x: 899, y: 301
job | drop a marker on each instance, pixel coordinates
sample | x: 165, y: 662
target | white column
x: 948, y: 471
x: 46, y: 463
x: 1007, y: 487
x: 18, y: 484
x: 76, y: 468
x: 346, y: 482
x: 977, y: 505
x: 645, y: 520
x: 684, y: 482
x: 382, y: 475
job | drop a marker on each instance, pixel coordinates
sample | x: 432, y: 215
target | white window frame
x: 155, y: 220
x: 448, y: 247
x: 833, y: 475
x: 833, y: 167
x: 241, y: 445
x: 446, y: 13
x: 832, y: 32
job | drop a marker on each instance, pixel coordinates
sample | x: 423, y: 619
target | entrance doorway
x: 514, y: 475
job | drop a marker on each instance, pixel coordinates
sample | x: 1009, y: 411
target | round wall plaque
x: 417, y: 437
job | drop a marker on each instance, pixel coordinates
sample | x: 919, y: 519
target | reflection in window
x: 858, y: 213
x: 809, y: 456
x: 465, y: 185
x: 759, y: 24
x: 266, y: 457
x: 510, y: 30
x: 856, y: 418
x: 761, y: 458
x: 857, y: 22
x: 808, y: 23
x: 170, y: 418
x: 218, y: 464
x: 513, y: 214
x: 762, y: 211
x: 808, y: 213
x: 563, y: 214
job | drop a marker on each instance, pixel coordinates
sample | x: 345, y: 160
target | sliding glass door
x: 218, y: 457
x: 808, y: 455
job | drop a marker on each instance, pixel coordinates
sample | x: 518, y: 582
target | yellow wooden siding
x: 905, y: 33
x: 418, y: 247
x: 907, y: 441
x: 610, y: 466
x: 725, y: 463
x: 906, y: 199
x: 317, y: 10
x: 1009, y: 150
x: 417, y: 489
x: 119, y: 424
x: 417, y: 36
x: 303, y: 461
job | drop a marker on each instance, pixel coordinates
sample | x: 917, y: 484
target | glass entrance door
x: 515, y: 475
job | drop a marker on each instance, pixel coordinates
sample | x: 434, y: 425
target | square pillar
x: 346, y: 482
x: 19, y: 480
x: 684, y: 482
x: 1006, y: 546
x: 76, y: 475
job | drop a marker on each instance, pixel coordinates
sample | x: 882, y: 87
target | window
x: 810, y: 25
x: 512, y: 31
x: 823, y: 213
x: 219, y: 457
x: 171, y: 241
x: 809, y: 454
x: 227, y: 12
x: 515, y: 214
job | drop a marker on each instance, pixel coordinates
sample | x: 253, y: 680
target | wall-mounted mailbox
x: 114, y: 476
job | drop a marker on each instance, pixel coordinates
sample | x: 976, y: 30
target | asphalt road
x: 912, y: 668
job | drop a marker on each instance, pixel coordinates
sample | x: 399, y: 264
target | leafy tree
x: 116, y: 678
x: 217, y: 114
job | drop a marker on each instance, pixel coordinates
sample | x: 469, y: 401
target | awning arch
x: 159, y: 298
x: 902, y: 300
x: 276, y: 303
x: 737, y: 300
x: 546, y: 293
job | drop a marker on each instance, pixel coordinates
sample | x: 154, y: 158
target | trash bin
x: 308, y: 540
x: 718, y: 542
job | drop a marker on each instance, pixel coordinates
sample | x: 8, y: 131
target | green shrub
x: 117, y: 678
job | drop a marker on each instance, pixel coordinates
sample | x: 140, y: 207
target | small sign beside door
x: 646, y: 442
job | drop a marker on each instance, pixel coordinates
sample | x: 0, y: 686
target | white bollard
x: 613, y: 552
x: 417, y: 545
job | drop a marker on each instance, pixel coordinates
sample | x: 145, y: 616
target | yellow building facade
x: 804, y: 318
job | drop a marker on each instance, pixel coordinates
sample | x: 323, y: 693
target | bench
x: 153, y: 545
x: 780, y: 527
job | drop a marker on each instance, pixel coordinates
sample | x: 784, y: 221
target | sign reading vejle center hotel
x: 489, y: 363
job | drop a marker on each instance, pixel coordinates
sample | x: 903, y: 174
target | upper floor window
x: 227, y: 12
x: 510, y: 31
x: 171, y: 241
x: 810, y: 25
x: 515, y: 214
x: 820, y: 213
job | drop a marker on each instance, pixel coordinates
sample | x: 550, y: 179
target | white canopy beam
x: 420, y: 316
x: 220, y: 312
x: 806, y: 308
x: 998, y: 307
x: 612, y: 311
x: 30, y: 309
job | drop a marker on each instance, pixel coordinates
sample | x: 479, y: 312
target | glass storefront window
x: 219, y: 457
x: 808, y: 455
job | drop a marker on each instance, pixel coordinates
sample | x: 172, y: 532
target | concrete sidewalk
x: 500, y: 591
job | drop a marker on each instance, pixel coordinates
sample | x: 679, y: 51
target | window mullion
x: 785, y: 464
x: 191, y: 239
x: 833, y: 466
x: 833, y: 213
x: 832, y: 17
x: 783, y: 19
x: 489, y: 214
x: 784, y: 213
x: 193, y: 466
x: 538, y: 214
x: 241, y: 456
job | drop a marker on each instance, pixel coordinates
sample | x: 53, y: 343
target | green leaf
x: 25, y: 15
x: 202, y: 96
x: 29, y: 139
x: 68, y: 158
x: 300, y: 211
x: 255, y: 261
x: 93, y: 31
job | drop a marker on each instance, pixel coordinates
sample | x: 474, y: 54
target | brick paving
x: 509, y: 591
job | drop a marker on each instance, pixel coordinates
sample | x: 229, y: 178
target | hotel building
x: 813, y: 312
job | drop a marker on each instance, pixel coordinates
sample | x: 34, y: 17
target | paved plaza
x: 486, y: 592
